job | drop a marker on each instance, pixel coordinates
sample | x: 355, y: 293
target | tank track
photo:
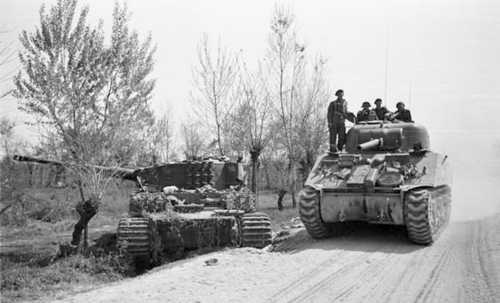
x: 310, y: 214
x: 426, y: 213
x: 136, y: 237
x: 255, y: 230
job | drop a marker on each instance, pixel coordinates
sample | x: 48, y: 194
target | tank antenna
x: 409, y: 94
x: 386, y: 63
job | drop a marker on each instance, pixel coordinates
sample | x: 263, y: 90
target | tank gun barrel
x: 36, y: 160
x: 117, y: 172
x: 374, y: 143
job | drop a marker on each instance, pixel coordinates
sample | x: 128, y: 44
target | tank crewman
x: 401, y: 114
x: 337, y: 114
x: 380, y: 111
x: 366, y: 114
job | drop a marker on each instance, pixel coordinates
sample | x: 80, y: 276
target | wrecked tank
x: 181, y: 206
x: 190, y: 205
x: 387, y: 174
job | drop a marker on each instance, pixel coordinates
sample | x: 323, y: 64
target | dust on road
x: 371, y: 264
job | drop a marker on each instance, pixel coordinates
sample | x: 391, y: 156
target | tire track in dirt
x: 366, y: 266
x: 455, y: 269
x: 353, y: 264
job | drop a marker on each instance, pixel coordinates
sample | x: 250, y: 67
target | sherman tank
x: 386, y: 174
x: 190, y: 205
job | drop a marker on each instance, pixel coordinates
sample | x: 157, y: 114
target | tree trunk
x: 281, y: 195
x: 86, y: 210
x: 267, y: 176
x: 254, y: 157
x: 292, y: 182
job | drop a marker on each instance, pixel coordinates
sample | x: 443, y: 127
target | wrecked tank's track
x: 136, y: 237
x: 256, y: 230
x: 427, y: 212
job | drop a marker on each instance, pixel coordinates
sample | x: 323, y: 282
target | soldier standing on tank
x: 366, y: 114
x: 380, y: 110
x: 401, y: 113
x: 337, y: 114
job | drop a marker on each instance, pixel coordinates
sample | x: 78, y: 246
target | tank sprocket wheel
x: 137, y: 237
x: 427, y: 212
x: 310, y: 215
x: 256, y: 230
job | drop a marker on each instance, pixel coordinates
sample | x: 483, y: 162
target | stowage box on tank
x: 387, y: 175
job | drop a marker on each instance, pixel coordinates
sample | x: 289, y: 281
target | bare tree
x: 214, y: 77
x: 91, y: 98
x: 193, y: 141
x: 158, y: 139
x: 311, y: 133
x: 285, y: 60
x: 250, y: 120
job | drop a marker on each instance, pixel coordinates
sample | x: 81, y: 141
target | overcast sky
x: 445, y: 54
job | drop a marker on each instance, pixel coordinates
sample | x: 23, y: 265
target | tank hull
x: 386, y: 175
x: 380, y: 208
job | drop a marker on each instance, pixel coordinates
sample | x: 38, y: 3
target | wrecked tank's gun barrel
x: 374, y: 143
x: 117, y: 172
x: 36, y: 160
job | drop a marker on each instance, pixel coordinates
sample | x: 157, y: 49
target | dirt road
x: 371, y: 264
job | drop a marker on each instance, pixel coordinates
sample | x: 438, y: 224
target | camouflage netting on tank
x: 178, y: 234
x: 148, y: 202
x: 154, y: 202
x: 243, y: 199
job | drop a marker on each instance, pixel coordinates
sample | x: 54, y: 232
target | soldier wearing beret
x: 337, y: 114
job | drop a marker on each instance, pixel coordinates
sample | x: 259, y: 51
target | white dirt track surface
x: 370, y: 264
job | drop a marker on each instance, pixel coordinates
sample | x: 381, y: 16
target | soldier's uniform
x: 366, y: 115
x: 403, y: 115
x: 381, y: 112
x: 337, y: 113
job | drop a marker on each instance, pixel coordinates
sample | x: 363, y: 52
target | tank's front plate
x: 381, y: 208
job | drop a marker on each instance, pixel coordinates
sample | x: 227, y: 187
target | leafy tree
x: 91, y: 98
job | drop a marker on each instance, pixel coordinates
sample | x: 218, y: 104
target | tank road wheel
x: 427, y: 212
x: 137, y: 238
x: 310, y: 214
x: 255, y: 230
